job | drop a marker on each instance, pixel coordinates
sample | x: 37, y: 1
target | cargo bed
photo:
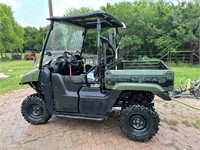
x: 144, y: 65
x: 142, y: 72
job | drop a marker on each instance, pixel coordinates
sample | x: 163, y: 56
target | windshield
x: 63, y: 37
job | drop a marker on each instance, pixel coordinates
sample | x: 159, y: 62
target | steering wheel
x: 72, y: 60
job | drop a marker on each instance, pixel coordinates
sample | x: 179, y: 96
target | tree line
x: 153, y: 28
x: 15, y: 38
x: 11, y: 33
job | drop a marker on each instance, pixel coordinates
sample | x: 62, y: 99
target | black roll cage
x: 96, y: 19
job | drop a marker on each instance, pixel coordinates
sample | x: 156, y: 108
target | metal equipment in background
x: 16, y: 55
x: 189, y: 88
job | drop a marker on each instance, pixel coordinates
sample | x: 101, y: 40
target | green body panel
x: 31, y: 76
x: 142, y: 80
x: 139, y: 87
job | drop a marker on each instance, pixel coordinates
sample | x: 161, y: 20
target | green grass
x: 166, y: 104
x: 197, y: 124
x: 184, y: 73
x: 172, y: 122
x: 187, y: 123
x: 15, y: 70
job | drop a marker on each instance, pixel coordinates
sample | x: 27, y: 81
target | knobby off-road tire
x: 139, y: 121
x: 34, y: 110
x: 150, y: 97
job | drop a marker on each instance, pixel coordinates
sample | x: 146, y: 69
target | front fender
x: 31, y: 76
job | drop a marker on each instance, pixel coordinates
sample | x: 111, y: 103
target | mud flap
x: 164, y: 96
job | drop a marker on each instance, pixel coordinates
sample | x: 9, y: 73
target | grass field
x: 16, y: 69
x: 184, y: 73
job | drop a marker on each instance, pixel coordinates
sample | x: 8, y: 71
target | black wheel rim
x: 35, y: 111
x: 138, y: 122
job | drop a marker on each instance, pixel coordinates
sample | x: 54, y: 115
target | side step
x: 78, y: 116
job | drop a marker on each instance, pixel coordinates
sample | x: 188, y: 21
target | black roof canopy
x: 89, y: 20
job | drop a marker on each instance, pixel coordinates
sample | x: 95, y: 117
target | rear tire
x: 34, y: 110
x: 149, y: 96
x: 139, y: 121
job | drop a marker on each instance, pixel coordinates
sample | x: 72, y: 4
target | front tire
x: 34, y: 110
x: 139, y: 121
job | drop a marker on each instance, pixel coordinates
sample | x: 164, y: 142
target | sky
x: 35, y: 12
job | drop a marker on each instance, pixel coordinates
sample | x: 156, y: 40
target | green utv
x: 66, y: 86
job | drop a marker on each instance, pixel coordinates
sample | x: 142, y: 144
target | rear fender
x: 154, y: 88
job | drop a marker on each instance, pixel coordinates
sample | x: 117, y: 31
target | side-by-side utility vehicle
x: 66, y: 86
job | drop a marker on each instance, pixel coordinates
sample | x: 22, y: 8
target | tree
x: 75, y: 11
x: 34, y: 38
x: 153, y: 28
x: 183, y: 26
x: 11, y: 35
x: 157, y: 27
x: 90, y: 41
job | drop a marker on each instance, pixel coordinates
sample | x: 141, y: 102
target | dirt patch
x: 190, y: 100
